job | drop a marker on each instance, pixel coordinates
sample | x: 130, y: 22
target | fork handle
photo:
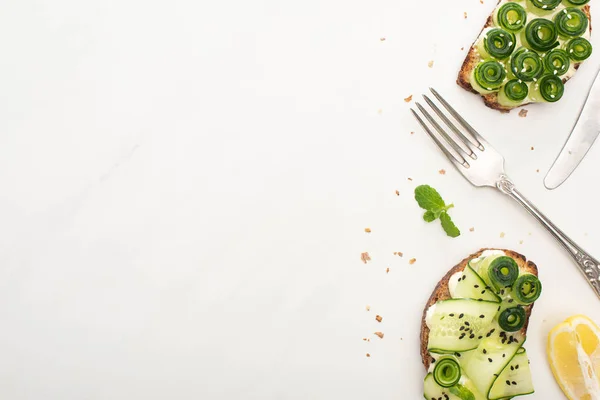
x: 588, y: 265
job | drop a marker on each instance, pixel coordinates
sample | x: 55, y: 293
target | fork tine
x: 458, y: 162
x: 443, y: 133
x: 461, y: 136
x: 475, y: 136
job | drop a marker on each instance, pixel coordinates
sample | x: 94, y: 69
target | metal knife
x: 580, y: 141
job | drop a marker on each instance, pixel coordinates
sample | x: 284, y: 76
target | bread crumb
x: 430, y: 64
x: 408, y: 99
x: 532, y: 148
x: 502, y: 234
x: 410, y: 179
x: 462, y: 48
x: 365, y: 339
x: 365, y: 257
x: 471, y: 229
x: 368, y: 308
x: 378, y: 318
x: 412, y: 133
x: 523, y: 113
x: 481, y: 1
x: 368, y: 230
x: 465, y: 14
x: 399, y: 253
x: 537, y: 170
x: 368, y: 355
x: 387, y: 270
x: 380, y: 111
x: 412, y: 261
x: 380, y: 334
x: 397, y: 193
x: 520, y: 242
x: 442, y: 172
x: 382, y: 39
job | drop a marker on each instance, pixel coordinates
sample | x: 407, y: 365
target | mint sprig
x: 462, y: 392
x: 435, y: 208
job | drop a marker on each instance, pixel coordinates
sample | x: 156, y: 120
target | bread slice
x: 472, y: 59
x: 442, y: 292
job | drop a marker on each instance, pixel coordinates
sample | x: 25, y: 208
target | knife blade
x: 582, y: 137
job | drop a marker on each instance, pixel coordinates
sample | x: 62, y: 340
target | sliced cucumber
x: 485, y: 364
x: 481, y: 266
x: 459, y: 324
x: 515, y: 378
x: 434, y: 391
x: 469, y: 285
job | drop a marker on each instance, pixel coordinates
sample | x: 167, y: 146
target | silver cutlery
x: 580, y: 141
x: 482, y: 165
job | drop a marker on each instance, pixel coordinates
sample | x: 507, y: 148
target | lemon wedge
x: 574, y: 356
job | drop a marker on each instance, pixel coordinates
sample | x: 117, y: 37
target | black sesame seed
x: 490, y: 360
x: 467, y: 323
x: 517, y: 367
x: 433, y: 360
x: 464, y: 277
x: 512, y: 368
x: 480, y: 337
x: 452, y: 315
x: 457, y: 354
x: 483, y: 291
x: 503, y: 355
x: 476, y: 286
x: 471, y: 336
x: 488, y: 288
x: 508, y: 383
x: 482, y: 316
x: 484, y: 351
x: 514, y: 383
x: 459, y: 279
x: 502, y: 292
x: 462, y: 328
x: 461, y: 336
x: 479, y: 299
x: 461, y: 315
x: 446, y: 396
x: 510, y: 300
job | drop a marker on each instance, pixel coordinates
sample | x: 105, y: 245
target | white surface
x: 186, y: 184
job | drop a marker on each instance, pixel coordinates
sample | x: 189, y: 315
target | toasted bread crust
x: 471, y: 60
x: 441, y: 292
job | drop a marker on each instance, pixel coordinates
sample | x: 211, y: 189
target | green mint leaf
x: 429, y: 216
x: 462, y: 392
x: 449, y: 227
x: 428, y: 198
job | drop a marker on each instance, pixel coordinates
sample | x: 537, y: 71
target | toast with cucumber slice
x: 474, y: 326
x: 526, y: 52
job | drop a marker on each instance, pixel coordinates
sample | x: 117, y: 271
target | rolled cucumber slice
x: 458, y: 324
x: 469, y: 285
x: 515, y: 378
x: 484, y: 365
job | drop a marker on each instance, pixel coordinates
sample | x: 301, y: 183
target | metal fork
x: 482, y: 165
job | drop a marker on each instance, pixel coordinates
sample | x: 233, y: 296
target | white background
x: 185, y: 187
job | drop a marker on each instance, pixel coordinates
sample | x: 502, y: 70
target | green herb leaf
x: 448, y: 225
x: 462, y: 392
x: 428, y: 198
x: 429, y: 216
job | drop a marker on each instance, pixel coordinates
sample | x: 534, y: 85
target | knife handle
x: 588, y: 265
